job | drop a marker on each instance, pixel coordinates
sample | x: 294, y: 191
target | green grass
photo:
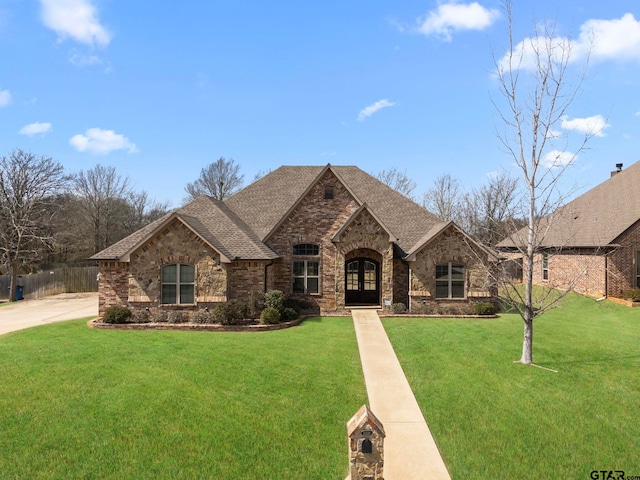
x: 82, y: 403
x: 493, y: 418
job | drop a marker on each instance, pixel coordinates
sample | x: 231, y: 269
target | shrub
x: 230, y: 313
x: 270, y: 316
x: 632, y: 294
x: 301, y: 305
x: 140, y: 316
x: 177, y: 317
x: 484, y: 308
x: 160, y: 316
x: 288, y: 314
x: 203, y: 317
x: 116, y: 314
x: 274, y: 299
x: 398, y: 308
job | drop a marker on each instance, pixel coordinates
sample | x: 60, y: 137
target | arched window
x: 178, y: 284
x: 450, y: 280
x: 306, y: 272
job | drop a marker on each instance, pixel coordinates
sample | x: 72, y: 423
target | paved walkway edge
x: 410, y: 453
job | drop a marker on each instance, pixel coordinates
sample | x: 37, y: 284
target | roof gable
x: 264, y: 204
x: 354, y: 216
x: 211, y: 221
x: 436, y: 232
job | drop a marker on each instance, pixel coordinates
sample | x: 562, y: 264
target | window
x: 545, y: 266
x: 306, y: 273
x: 328, y: 192
x: 178, y: 284
x: 450, y: 280
x: 306, y: 249
x: 638, y: 269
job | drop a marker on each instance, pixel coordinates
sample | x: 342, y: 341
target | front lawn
x: 82, y: 403
x: 493, y: 418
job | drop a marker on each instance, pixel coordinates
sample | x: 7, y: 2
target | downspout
x: 265, y: 275
x: 606, y: 276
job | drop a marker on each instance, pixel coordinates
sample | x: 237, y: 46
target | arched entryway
x: 362, y: 281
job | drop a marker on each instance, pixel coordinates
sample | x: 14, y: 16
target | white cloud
x: 453, y: 16
x: 371, y: 109
x: 594, y: 125
x: 5, y: 98
x: 557, y: 158
x: 99, y: 141
x: 80, y: 60
x: 77, y: 19
x: 35, y: 128
x: 617, y: 39
x: 612, y: 39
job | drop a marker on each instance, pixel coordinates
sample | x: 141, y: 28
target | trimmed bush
x: 274, y: 299
x: 230, y: 313
x: 632, y: 294
x: 177, y: 317
x: 270, y: 316
x: 399, y: 308
x: 140, y: 316
x: 116, y: 314
x: 203, y: 317
x: 484, y: 308
x: 288, y: 314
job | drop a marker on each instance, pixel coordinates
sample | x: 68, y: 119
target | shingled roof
x: 277, y: 193
x: 594, y: 219
x: 238, y: 227
x: 210, y: 219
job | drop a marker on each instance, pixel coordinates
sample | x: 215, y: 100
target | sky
x: 161, y: 89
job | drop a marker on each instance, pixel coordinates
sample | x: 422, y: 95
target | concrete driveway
x: 56, y: 308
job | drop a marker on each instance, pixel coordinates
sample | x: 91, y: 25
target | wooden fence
x: 60, y: 280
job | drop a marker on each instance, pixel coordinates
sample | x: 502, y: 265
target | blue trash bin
x: 19, y: 292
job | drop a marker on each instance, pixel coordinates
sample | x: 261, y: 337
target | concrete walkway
x: 410, y: 453
x: 56, y: 308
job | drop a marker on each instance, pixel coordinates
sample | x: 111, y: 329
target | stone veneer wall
x: 450, y: 246
x: 137, y: 283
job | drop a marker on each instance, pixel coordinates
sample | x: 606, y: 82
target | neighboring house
x: 333, y: 235
x: 592, y: 244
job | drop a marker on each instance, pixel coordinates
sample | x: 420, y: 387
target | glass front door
x: 362, y: 283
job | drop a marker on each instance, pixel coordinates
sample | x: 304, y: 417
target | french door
x: 362, y: 282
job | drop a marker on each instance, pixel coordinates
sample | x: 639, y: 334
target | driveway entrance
x: 56, y: 308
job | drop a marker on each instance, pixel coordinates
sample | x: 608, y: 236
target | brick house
x: 333, y: 235
x: 592, y: 244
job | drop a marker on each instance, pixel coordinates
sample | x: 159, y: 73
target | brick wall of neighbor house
x: 622, y: 262
x: 113, y: 285
x: 449, y: 246
x: 582, y: 271
x: 315, y: 220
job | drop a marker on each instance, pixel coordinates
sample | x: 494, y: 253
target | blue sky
x: 161, y: 89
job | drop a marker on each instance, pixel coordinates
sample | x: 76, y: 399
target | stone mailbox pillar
x: 366, y: 446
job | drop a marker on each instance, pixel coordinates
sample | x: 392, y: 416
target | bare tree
x: 29, y: 185
x: 489, y: 213
x: 219, y: 180
x: 102, y: 193
x: 443, y: 198
x: 534, y: 82
x: 110, y: 208
x: 398, y: 180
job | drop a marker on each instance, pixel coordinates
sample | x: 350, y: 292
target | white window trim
x: 306, y: 276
